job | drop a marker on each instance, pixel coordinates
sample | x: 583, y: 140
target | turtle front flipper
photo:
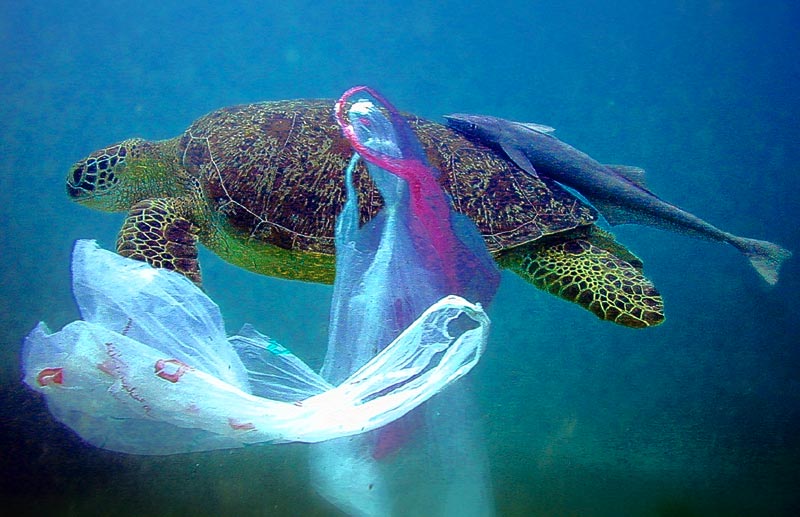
x: 590, y: 271
x: 158, y: 232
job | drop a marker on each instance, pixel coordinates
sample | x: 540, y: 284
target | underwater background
x: 699, y: 416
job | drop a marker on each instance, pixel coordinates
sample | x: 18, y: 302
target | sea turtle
x: 261, y: 185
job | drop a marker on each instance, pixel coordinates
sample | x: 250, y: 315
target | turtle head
x: 106, y: 179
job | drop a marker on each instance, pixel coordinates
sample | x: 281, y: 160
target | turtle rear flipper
x: 585, y: 273
x: 156, y: 231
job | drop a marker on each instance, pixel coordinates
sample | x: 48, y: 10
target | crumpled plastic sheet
x: 149, y: 370
x: 416, y: 250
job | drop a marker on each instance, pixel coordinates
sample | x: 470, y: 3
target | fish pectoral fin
x: 518, y: 157
x: 635, y: 175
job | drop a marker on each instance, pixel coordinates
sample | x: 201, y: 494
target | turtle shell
x: 275, y: 171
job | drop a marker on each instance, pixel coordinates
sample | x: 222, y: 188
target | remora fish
x: 617, y: 191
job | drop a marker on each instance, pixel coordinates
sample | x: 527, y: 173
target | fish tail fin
x: 766, y: 257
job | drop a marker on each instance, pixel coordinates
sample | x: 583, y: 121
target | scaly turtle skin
x: 261, y: 186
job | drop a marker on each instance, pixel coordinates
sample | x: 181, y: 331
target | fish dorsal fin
x: 519, y: 158
x: 539, y: 128
x: 633, y: 174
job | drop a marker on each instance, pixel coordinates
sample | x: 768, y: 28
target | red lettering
x: 240, y: 426
x: 175, y: 367
x: 50, y: 376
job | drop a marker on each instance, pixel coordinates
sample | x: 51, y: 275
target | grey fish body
x: 617, y: 191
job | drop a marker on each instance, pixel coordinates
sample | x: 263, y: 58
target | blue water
x: 700, y: 416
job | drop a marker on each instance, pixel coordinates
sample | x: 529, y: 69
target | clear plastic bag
x: 149, y: 370
x: 416, y: 250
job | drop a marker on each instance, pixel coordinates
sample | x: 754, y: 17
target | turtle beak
x: 74, y: 192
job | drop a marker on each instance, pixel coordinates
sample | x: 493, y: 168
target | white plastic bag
x: 149, y: 370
